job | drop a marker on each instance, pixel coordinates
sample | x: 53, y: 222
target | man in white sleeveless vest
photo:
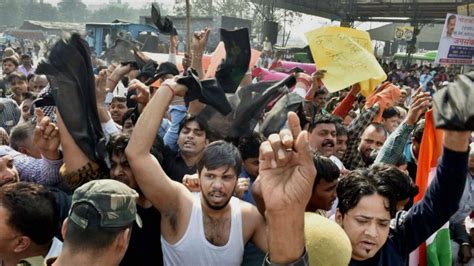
x: 212, y: 227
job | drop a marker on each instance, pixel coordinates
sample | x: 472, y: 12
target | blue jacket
x: 441, y: 201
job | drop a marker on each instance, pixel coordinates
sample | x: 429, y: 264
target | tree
x: 9, y: 11
x: 230, y: 8
x: 72, y: 10
x: 39, y: 11
x: 111, y: 12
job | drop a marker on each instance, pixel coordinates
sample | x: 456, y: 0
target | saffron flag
x: 436, y: 251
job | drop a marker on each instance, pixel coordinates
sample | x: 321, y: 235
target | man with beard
x: 145, y: 246
x: 363, y: 139
x: 206, y: 228
x: 9, y: 65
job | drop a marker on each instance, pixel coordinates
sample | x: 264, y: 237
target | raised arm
x: 172, y: 50
x: 199, y: 46
x: 286, y: 174
x: 346, y: 105
x: 392, y: 150
x: 442, y: 197
x: 165, y: 194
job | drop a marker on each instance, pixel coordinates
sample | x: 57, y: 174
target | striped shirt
x: 41, y: 171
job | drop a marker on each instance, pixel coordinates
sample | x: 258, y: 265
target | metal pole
x: 188, y: 27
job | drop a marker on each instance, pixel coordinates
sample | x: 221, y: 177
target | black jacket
x: 441, y: 201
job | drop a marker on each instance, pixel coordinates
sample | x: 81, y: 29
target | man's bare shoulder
x: 249, y: 210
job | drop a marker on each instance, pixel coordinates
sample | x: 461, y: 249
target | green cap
x: 114, y: 201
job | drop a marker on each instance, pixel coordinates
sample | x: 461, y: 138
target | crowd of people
x: 126, y: 167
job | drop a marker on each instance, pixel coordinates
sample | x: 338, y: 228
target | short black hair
x: 402, y: 186
x: 390, y: 112
x: 340, y: 130
x: 121, y: 99
x: 352, y: 114
x: 249, y: 147
x: 220, y: 153
x: 325, y: 169
x: 30, y: 76
x: 28, y: 96
x: 322, y: 119
x: 17, y: 75
x: 130, y: 114
x: 94, y: 237
x: 191, y: 118
x: 451, y: 17
x: 32, y: 210
x: 360, y: 183
x: 118, y: 143
x: 418, y: 131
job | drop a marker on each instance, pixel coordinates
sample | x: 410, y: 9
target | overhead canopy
x: 366, y: 10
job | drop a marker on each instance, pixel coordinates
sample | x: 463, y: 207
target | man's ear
x: 122, y: 240
x: 338, y: 217
x: 22, y: 244
x: 24, y: 150
x: 64, y: 228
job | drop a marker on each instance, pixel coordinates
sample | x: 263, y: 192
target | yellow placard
x: 347, y: 56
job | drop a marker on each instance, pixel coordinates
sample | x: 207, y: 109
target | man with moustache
x: 205, y: 228
x: 322, y: 138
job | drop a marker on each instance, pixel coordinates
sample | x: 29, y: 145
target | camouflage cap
x: 114, y: 201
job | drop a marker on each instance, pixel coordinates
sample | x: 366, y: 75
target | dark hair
x: 402, y: 186
x: 340, y: 130
x: 390, y: 112
x: 418, y: 131
x: 16, y: 75
x: 25, y: 56
x: 11, y: 59
x: 130, y: 114
x: 321, y: 91
x: 249, y: 147
x: 119, y: 142
x: 121, y: 99
x: 190, y: 118
x: 322, y: 119
x: 21, y: 133
x: 93, y: 237
x: 32, y: 210
x: 220, y: 153
x: 30, y: 76
x: 325, y: 169
x: 360, y: 183
x: 352, y: 114
x: 451, y: 17
x: 28, y: 96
